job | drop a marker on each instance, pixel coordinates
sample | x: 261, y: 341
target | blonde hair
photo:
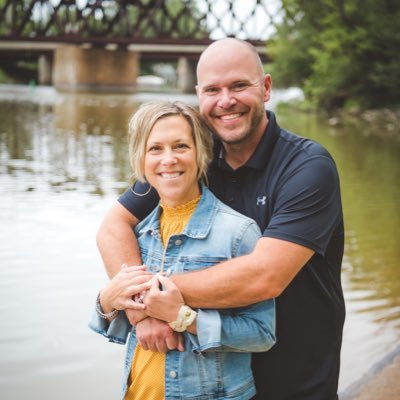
x: 142, y: 123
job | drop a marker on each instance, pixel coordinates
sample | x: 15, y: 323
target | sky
x: 254, y: 26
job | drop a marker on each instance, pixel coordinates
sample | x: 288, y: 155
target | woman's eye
x: 154, y: 149
x: 181, y: 146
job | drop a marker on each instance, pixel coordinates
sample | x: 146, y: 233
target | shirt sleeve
x: 307, y: 206
x: 140, y: 199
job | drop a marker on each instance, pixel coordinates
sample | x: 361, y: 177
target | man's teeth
x: 230, y: 116
x: 170, y: 175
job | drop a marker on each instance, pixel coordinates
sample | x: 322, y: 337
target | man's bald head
x: 230, y: 47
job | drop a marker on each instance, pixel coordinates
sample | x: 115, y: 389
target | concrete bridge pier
x: 78, y: 69
x: 186, y: 75
x: 45, y: 66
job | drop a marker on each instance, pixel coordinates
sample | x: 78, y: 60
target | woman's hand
x: 163, y: 304
x: 118, y: 293
x: 135, y: 316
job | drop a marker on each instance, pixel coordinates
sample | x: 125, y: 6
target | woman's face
x: 170, y: 161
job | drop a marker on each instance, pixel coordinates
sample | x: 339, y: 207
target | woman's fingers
x: 140, y: 288
x: 133, y: 268
x: 134, y: 305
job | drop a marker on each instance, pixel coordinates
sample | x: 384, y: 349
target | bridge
x: 99, y: 44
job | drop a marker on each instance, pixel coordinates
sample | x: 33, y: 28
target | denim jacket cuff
x: 116, y: 331
x: 208, y: 331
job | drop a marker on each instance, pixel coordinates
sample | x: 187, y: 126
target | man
x: 290, y: 186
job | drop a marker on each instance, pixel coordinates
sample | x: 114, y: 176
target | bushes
x: 340, y: 52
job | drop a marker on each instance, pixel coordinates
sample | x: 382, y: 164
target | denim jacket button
x: 178, y: 242
x: 173, y: 374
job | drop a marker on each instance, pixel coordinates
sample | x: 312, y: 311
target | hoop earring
x: 141, y: 194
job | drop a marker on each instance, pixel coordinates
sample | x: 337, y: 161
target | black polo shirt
x: 290, y: 186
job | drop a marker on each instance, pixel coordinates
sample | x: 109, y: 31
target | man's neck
x: 237, y: 154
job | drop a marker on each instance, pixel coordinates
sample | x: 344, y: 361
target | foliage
x: 4, y: 78
x: 341, y: 52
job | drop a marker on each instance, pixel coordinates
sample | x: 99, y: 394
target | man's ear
x: 267, y: 83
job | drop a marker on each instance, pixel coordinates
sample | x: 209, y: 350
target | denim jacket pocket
x: 202, y: 373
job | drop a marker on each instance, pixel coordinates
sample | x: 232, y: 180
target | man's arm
x: 262, y: 274
x: 116, y: 240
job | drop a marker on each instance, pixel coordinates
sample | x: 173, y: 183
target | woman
x: 190, y: 229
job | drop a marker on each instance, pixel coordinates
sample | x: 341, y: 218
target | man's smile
x: 228, y: 117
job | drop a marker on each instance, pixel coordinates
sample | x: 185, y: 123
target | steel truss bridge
x: 158, y: 29
x: 124, y: 22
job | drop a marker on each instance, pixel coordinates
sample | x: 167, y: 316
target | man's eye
x: 210, y: 91
x: 239, y: 86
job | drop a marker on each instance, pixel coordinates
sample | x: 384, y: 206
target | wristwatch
x: 185, y: 318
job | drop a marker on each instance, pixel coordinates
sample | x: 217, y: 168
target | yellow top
x: 146, y: 379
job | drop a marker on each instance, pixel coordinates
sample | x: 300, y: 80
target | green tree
x: 340, y: 51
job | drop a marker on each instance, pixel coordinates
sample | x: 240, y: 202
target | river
x: 63, y: 162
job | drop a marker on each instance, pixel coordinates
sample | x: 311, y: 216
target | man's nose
x: 226, y: 98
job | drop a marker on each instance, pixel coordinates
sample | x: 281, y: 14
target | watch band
x: 185, y: 318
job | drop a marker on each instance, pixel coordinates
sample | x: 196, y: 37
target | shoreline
x: 381, y: 382
x: 383, y: 122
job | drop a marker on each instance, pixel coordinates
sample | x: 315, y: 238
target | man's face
x: 231, y: 92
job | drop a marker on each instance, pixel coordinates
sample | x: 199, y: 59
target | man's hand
x: 163, y: 304
x: 156, y: 335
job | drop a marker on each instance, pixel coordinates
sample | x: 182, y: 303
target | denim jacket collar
x: 199, y: 225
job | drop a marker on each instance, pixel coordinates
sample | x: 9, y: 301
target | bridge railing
x: 136, y: 21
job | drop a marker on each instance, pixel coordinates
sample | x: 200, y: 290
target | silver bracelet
x: 109, y: 316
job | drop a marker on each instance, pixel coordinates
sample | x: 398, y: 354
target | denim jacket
x: 216, y: 363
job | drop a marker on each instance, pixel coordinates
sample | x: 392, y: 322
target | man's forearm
x: 116, y: 240
x: 222, y: 286
x: 117, y: 248
x: 245, y: 280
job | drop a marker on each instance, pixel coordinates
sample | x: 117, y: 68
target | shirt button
x: 173, y: 374
x: 178, y: 242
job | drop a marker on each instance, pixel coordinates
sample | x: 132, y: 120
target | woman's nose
x: 168, y: 158
x: 226, y: 98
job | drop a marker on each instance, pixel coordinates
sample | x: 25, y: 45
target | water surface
x: 63, y: 162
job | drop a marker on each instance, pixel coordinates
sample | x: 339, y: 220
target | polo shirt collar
x: 263, y: 152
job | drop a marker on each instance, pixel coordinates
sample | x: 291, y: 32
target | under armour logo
x: 261, y: 200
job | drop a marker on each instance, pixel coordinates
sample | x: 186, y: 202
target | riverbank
x: 384, y: 386
x: 381, y: 383
x: 383, y: 122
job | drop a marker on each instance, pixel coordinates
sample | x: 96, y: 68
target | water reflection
x: 370, y: 170
x: 63, y: 161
